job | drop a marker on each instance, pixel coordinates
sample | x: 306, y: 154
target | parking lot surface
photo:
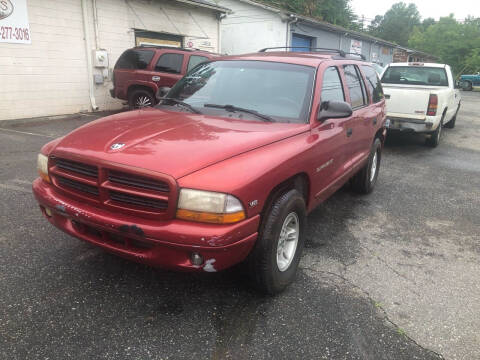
x: 391, y: 275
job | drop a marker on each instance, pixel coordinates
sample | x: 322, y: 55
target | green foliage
x: 397, y: 24
x: 337, y: 12
x: 455, y: 43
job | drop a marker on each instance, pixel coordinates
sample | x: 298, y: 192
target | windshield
x: 278, y: 91
x: 415, y: 75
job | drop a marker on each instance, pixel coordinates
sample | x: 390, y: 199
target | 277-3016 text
x: 8, y: 32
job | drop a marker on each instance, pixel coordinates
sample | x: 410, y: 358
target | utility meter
x: 100, y: 58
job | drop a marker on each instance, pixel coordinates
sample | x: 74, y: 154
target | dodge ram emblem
x: 117, y: 146
x: 6, y: 9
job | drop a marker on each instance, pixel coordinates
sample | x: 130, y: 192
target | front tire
x: 274, y: 260
x: 364, y: 181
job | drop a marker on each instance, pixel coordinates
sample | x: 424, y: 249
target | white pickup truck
x: 420, y: 97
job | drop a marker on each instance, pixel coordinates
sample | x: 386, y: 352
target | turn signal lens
x: 210, y: 217
x: 42, y: 167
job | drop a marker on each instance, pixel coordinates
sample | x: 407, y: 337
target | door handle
x: 349, y: 132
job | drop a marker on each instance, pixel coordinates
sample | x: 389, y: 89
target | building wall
x: 49, y: 76
x: 334, y: 40
x: 250, y: 28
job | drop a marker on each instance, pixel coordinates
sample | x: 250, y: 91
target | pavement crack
x: 374, y: 303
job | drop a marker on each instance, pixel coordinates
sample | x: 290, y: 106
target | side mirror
x: 161, y: 92
x: 334, y: 110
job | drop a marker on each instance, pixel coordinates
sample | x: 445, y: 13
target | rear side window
x: 355, y: 86
x: 373, y: 83
x: 195, y: 60
x: 332, y: 89
x: 134, y: 59
x: 415, y: 75
x: 170, y: 63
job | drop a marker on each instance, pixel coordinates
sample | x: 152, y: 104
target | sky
x: 427, y: 8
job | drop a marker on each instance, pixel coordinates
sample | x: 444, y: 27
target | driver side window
x: 332, y: 88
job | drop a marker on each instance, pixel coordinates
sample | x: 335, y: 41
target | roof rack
x: 342, y: 53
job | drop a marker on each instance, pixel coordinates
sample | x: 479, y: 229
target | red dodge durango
x: 225, y: 168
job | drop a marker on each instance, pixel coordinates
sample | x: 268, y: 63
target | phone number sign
x: 14, y: 27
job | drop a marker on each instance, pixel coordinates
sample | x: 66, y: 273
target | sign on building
x: 14, y: 26
x: 356, y: 46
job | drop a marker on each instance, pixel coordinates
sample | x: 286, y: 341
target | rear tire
x: 274, y: 260
x: 434, y: 138
x: 364, y: 181
x: 141, y: 98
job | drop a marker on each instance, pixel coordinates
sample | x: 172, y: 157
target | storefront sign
x: 14, y: 27
x: 356, y: 47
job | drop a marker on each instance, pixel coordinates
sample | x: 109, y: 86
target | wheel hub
x: 287, y: 242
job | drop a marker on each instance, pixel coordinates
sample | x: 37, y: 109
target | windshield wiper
x: 233, y: 108
x: 182, y: 103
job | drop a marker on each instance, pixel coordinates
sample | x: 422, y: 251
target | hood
x: 173, y: 143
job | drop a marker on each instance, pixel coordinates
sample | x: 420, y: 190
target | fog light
x: 196, y: 259
x: 48, y: 212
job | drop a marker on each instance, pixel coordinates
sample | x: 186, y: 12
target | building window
x: 170, y: 63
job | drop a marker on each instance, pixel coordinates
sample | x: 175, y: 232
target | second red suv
x: 141, y: 71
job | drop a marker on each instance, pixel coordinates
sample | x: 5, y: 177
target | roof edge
x: 207, y: 5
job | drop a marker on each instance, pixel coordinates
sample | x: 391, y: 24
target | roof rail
x: 318, y: 49
x: 342, y: 53
x: 361, y: 56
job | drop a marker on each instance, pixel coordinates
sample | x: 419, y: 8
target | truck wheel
x: 434, y: 138
x: 365, y: 180
x: 467, y: 86
x: 140, y: 98
x: 451, y: 123
x: 274, y: 260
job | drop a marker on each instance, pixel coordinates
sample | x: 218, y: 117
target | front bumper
x: 165, y: 244
x: 412, y: 125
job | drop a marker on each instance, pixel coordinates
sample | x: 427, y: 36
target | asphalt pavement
x: 391, y: 275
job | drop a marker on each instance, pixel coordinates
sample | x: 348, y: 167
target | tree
x: 453, y: 42
x: 397, y: 24
x: 337, y: 12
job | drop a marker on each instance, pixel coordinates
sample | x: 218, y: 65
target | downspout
x: 88, y: 50
x: 293, y: 19
x: 95, y: 24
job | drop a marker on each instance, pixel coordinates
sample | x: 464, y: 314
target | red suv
x: 225, y: 168
x: 141, y: 71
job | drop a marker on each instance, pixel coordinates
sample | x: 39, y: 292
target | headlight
x: 42, y: 167
x: 210, y: 207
